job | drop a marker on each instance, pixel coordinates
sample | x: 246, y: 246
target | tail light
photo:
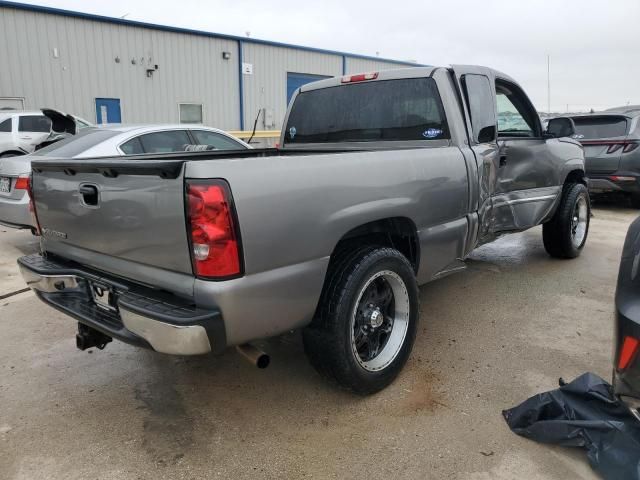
x: 360, y: 77
x: 22, y: 183
x: 627, y: 352
x: 32, y: 202
x: 614, y: 145
x: 215, y: 246
x: 619, y: 178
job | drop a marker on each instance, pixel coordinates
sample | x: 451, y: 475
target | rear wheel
x: 566, y: 233
x: 365, y: 326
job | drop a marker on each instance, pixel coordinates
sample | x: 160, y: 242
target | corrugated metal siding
x: 267, y: 87
x: 361, y: 65
x: 191, y: 68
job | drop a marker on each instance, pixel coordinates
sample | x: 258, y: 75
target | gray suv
x: 610, y: 140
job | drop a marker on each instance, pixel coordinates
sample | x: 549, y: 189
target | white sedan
x: 104, y: 141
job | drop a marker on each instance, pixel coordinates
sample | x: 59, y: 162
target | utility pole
x: 548, y: 83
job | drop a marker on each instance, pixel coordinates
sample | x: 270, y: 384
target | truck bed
x: 168, y: 165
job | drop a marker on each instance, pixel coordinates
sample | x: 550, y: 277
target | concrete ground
x: 490, y: 337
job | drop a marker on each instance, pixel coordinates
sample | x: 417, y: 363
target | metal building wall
x: 267, y: 86
x: 190, y: 68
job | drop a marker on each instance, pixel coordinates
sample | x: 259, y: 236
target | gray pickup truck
x: 383, y: 181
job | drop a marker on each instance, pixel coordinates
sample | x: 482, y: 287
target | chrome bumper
x: 165, y: 337
x: 138, y: 318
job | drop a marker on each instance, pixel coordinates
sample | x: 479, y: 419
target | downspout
x: 241, y: 84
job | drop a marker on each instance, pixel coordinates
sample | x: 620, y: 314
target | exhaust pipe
x: 254, y: 355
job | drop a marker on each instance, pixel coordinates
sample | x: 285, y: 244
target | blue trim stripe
x: 153, y: 26
x: 241, y: 83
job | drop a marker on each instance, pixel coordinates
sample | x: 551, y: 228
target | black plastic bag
x: 583, y: 413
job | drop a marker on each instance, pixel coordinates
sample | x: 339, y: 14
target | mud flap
x: 583, y: 413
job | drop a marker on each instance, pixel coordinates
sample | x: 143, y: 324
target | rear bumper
x: 140, y: 316
x: 15, y: 212
x: 630, y: 182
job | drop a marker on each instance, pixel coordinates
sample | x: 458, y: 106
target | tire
x: 370, y: 297
x: 7, y: 155
x: 565, y: 235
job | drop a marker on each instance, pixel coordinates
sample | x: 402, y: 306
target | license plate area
x: 103, y: 296
x: 5, y: 185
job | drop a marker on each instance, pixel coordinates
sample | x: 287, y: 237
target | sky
x: 592, y: 45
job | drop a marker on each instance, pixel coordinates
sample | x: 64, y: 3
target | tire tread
x: 322, y: 338
x: 556, y: 233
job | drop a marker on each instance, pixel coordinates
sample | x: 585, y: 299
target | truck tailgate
x: 119, y: 216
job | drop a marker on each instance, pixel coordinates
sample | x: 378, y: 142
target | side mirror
x: 487, y: 134
x: 560, y: 127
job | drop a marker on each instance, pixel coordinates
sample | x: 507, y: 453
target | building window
x: 191, y: 113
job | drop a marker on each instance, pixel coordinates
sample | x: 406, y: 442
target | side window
x: 480, y: 104
x: 165, y: 142
x: 34, y: 123
x: 6, y: 126
x: 82, y: 124
x: 132, y: 147
x: 215, y: 140
x: 516, y: 115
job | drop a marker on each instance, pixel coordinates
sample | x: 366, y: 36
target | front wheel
x: 566, y: 233
x: 365, y: 325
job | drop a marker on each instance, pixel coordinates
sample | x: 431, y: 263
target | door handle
x: 503, y: 159
x: 26, y: 138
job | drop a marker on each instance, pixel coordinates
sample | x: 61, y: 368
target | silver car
x: 107, y: 141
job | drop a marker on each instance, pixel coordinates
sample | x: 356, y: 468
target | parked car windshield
x: 405, y: 109
x: 600, y: 127
x: 75, y: 145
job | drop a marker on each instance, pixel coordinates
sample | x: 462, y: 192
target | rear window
x: 600, y: 127
x: 406, y: 109
x: 77, y: 144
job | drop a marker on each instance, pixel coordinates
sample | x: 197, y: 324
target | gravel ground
x: 506, y: 328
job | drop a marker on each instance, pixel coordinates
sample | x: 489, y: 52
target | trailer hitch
x: 88, y: 337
